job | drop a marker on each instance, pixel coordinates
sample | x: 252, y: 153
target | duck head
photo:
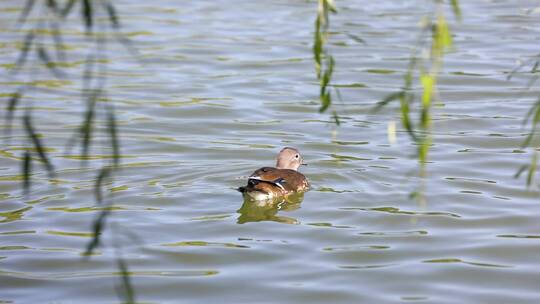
x: 289, y: 158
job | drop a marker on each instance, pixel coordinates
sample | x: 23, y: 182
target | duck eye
x: 296, y: 156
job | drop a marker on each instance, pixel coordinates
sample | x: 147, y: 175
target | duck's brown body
x: 269, y: 182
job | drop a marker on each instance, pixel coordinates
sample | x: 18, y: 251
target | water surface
x: 222, y: 88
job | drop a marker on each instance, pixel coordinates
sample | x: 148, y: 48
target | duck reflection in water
x: 266, y: 210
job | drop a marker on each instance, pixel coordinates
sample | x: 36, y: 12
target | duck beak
x: 303, y: 164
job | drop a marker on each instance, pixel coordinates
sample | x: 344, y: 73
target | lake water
x: 224, y: 85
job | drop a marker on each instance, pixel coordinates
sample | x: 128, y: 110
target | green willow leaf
x: 27, y: 170
x: 317, y: 47
x: 87, y: 126
x: 97, y: 227
x: 445, y: 33
x: 532, y: 169
x: 51, y: 4
x: 324, y: 62
x: 456, y: 9
x: 389, y: 98
x: 67, y: 8
x: 356, y: 38
x: 423, y: 150
x: 535, y: 66
x: 406, y: 119
x: 337, y: 121
x: 527, y: 140
x: 330, y: 6
x: 43, y: 55
x: 25, y: 12
x: 425, y: 118
x: 326, y: 101
x: 103, y: 174
x: 27, y: 45
x: 113, y: 135
x: 327, y: 75
x: 87, y: 12
x: 521, y: 170
x: 111, y: 12
x: 530, y: 112
x: 534, y: 123
x: 38, y: 145
x: 442, y: 40
x: 125, y: 290
x: 428, y: 85
x: 12, y: 105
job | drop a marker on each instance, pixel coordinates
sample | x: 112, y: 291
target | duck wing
x: 286, y: 180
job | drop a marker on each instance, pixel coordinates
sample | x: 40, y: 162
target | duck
x: 280, y: 181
